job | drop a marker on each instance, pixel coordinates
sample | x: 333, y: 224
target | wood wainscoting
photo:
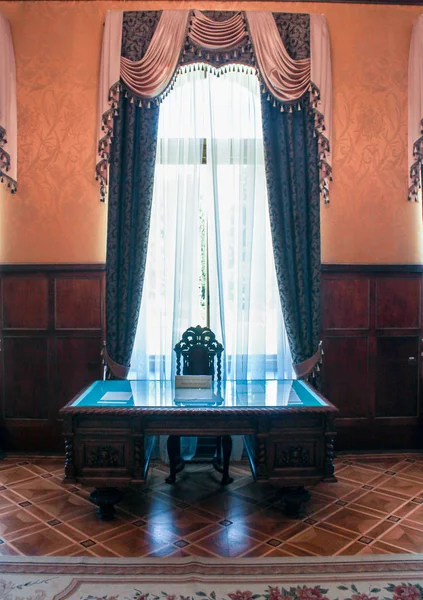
x: 373, y: 341
x: 52, y: 329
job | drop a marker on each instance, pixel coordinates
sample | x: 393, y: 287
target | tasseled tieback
x: 305, y: 368
x: 119, y: 371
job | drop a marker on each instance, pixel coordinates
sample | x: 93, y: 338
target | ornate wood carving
x: 260, y: 456
x: 329, y: 467
x: 198, y: 349
x: 69, y: 459
x: 108, y: 455
x: 292, y: 456
x: 103, y: 457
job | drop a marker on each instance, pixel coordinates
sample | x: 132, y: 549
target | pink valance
x: 8, y: 111
x: 151, y: 75
x: 217, y: 35
x: 415, y: 111
x: 252, y: 34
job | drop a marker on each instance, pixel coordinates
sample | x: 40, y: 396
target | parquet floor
x: 376, y: 507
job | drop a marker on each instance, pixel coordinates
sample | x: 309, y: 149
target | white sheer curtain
x: 210, y: 205
x: 244, y: 298
x: 226, y: 186
x: 170, y: 294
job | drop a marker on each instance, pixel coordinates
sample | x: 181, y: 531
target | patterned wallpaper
x: 56, y: 215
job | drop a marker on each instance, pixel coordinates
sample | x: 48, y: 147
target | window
x: 210, y: 257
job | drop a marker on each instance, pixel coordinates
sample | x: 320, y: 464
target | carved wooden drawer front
x: 294, y: 455
x: 95, y: 456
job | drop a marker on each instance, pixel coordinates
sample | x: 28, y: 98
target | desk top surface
x: 280, y: 395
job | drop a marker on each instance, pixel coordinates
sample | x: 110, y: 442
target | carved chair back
x: 197, y: 351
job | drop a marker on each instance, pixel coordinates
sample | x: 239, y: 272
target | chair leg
x: 227, y: 449
x: 174, y: 451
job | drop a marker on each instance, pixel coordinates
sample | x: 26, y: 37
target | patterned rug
x: 393, y: 577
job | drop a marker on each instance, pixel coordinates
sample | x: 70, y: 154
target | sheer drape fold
x: 169, y: 304
x: 8, y: 108
x: 245, y: 310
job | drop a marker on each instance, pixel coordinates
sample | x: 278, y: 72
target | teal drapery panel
x: 131, y: 179
x: 132, y: 161
x: 292, y: 173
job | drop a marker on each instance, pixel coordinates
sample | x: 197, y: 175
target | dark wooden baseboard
x: 368, y: 268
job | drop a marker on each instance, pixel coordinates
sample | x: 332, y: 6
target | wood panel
x: 25, y: 380
x: 397, y: 376
x: 78, y: 365
x: 379, y: 397
x: 346, y: 303
x: 78, y: 303
x: 347, y: 361
x: 50, y: 348
x: 398, y: 303
x: 25, y: 302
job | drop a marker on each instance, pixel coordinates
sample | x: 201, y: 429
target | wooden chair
x: 198, y: 349
x: 199, y: 353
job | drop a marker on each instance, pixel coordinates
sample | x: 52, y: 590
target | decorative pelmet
x: 220, y: 45
x: 415, y: 112
x: 8, y: 109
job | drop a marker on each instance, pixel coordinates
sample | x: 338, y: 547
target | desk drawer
x: 103, y: 456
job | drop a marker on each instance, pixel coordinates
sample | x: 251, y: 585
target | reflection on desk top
x: 230, y: 394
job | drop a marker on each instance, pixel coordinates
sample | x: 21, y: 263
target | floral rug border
x: 393, y: 577
x: 224, y: 568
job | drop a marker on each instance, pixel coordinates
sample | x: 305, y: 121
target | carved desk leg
x: 294, y: 498
x: 328, y: 467
x: 105, y: 499
x: 70, y: 469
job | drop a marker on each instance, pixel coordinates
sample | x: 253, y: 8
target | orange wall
x: 56, y: 215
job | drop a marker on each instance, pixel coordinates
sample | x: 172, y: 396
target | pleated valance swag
x: 143, y: 53
x: 170, y: 40
x: 8, y: 119
x: 415, y: 111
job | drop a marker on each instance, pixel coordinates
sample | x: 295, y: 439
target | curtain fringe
x: 325, y: 169
x: 5, y: 164
x: 415, y: 189
x: 323, y: 145
x: 104, y: 144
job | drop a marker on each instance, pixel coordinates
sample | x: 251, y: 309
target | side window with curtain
x: 210, y: 257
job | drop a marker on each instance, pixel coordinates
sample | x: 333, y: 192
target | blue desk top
x: 230, y: 394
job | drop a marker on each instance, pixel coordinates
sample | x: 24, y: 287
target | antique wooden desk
x: 110, y: 430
